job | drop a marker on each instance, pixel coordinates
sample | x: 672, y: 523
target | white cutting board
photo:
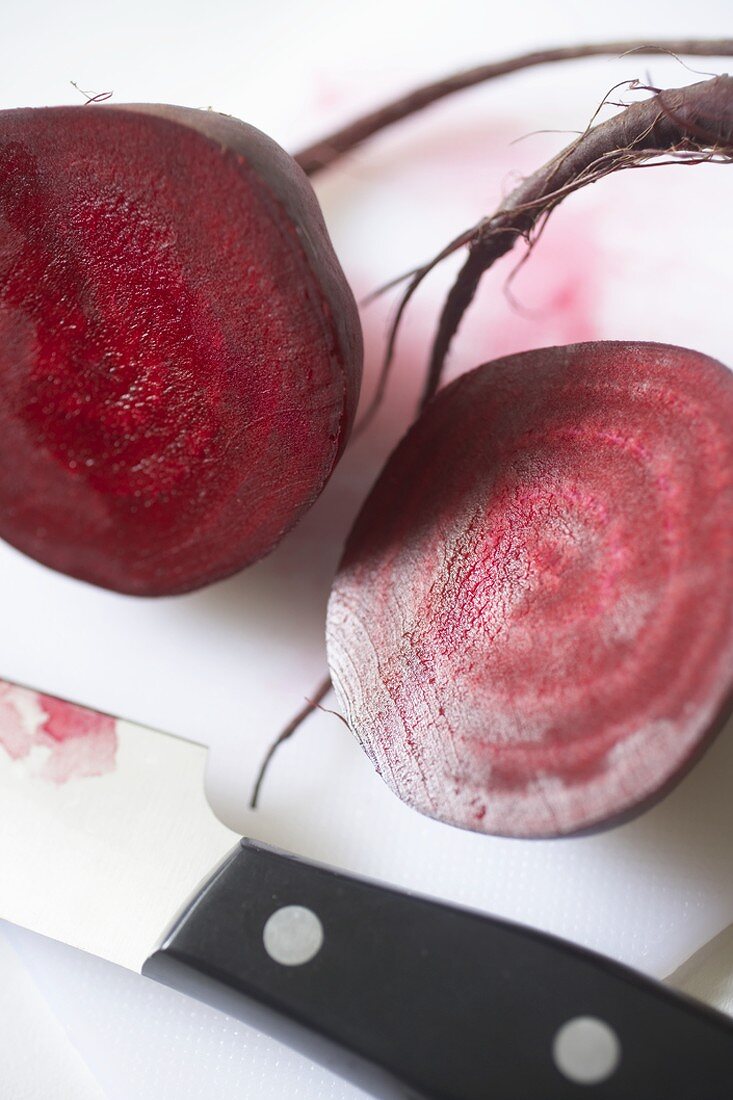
x: 229, y: 665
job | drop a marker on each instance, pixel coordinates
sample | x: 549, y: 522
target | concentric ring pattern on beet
x: 180, y: 354
x: 531, y: 631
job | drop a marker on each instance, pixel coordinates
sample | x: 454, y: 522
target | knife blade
x: 107, y: 843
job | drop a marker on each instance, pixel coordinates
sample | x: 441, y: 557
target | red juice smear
x: 80, y: 743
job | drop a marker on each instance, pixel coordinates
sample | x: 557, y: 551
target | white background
x: 645, y: 256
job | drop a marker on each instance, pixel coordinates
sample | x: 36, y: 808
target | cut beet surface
x: 531, y: 631
x: 180, y: 354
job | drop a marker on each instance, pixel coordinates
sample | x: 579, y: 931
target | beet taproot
x: 180, y: 354
x: 531, y: 630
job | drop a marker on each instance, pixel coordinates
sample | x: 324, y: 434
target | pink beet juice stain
x: 557, y: 298
x: 79, y: 743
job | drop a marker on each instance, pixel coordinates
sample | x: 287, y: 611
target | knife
x: 107, y: 843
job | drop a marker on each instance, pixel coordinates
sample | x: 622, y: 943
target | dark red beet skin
x: 531, y: 631
x: 180, y: 354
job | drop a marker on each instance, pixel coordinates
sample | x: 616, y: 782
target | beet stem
x: 329, y: 149
x: 691, y: 125
x: 311, y: 705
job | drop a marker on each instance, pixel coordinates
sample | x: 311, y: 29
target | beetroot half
x: 531, y: 630
x: 180, y: 354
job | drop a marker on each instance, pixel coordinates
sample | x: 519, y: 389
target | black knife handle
x: 408, y: 997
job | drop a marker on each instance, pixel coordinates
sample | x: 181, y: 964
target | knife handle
x: 408, y: 997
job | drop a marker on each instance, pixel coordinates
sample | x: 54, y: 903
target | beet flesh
x: 531, y: 630
x: 180, y: 354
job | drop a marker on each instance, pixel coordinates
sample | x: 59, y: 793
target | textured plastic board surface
x: 141, y: 1039
x: 39, y: 1061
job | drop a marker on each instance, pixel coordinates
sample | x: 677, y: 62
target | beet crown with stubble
x: 531, y: 631
x: 180, y: 354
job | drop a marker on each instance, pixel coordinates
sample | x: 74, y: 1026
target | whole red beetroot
x: 531, y: 630
x: 180, y: 354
